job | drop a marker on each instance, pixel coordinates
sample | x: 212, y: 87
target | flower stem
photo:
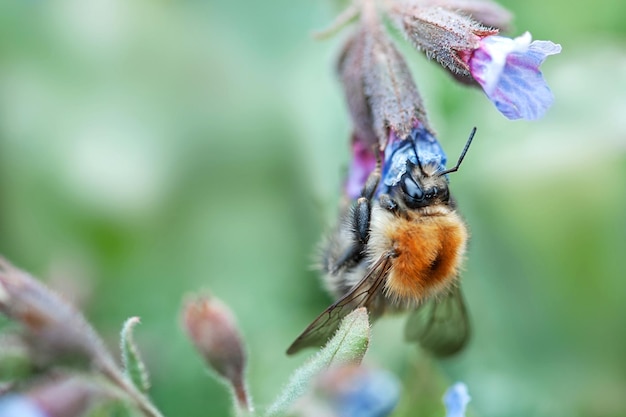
x: 142, y: 402
x: 345, y: 17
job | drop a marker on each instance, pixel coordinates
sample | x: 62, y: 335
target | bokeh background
x: 149, y: 149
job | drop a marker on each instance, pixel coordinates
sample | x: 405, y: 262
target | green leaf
x: 134, y: 368
x: 347, y: 346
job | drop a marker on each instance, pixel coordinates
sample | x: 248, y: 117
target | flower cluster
x: 461, y: 35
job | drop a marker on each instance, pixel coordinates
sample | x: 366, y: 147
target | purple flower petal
x: 456, y: 399
x: 363, y: 163
x: 508, y: 71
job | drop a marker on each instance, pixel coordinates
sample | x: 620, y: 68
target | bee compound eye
x: 410, y: 188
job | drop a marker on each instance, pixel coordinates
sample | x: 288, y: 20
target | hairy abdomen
x: 428, y: 251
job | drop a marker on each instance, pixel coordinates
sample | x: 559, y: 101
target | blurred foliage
x: 151, y: 148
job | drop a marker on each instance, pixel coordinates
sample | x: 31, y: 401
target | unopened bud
x: 350, y: 68
x: 54, y: 329
x: 57, y: 332
x: 379, y: 88
x: 213, y: 330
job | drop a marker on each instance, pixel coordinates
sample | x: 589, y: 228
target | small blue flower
x: 398, y: 151
x: 508, y: 71
x: 368, y: 393
x: 14, y: 405
x: 456, y: 399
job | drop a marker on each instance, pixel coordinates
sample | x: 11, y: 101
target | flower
x: 421, y: 142
x: 508, y: 71
x: 366, y: 393
x: 355, y: 391
x: 468, y: 45
x: 443, y: 35
x: 398, y: 151
x: 14, y: 405
x: 456, y: 399
x: 363, y: 163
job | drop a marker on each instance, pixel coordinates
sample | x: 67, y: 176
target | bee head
x: 423, y: 186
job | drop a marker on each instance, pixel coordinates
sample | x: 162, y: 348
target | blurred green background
x: 149, y: 149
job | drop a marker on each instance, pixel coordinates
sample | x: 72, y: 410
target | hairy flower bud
x: 350, y: 68
x: 378, y: 85
x: 442, y: 34
x: 485, y: 12
x: 57, y: 332
x: 54, y: 329
x: 213, y: 330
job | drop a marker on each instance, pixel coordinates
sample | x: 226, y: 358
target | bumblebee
x: 399, y: 247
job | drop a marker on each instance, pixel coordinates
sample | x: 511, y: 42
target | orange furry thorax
x: 429, y: 250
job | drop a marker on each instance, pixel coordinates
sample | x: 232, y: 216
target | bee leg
x: 363, y: 209
x: 359, y: 223
x: 389, y: 203
x: 371, y: 184
x: 361, y: 220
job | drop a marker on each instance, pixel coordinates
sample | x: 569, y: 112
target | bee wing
x: 441, y: 326
x: 361, y: 295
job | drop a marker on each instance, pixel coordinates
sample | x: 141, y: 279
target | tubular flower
x: 363, y: 163
x: 508, y: 71
x: 468, y: 45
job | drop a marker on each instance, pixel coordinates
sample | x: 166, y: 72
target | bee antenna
x: 417, y: 157
x: 458, y: 164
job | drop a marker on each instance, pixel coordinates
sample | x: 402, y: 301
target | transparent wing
x: 361, y: 295
x: 441, y: 326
